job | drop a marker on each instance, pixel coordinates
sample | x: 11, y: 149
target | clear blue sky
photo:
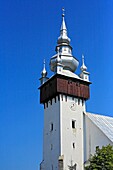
x: 28, y: 33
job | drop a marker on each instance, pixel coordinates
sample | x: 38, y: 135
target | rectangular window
x: 51, y: 147
x: 73, y: 145
x: 73, y: 124
x: 51, y: 127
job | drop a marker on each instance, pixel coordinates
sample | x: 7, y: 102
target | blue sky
x: 28, y: 33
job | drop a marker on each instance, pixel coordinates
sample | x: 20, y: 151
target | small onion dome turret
x: 44, y: 72
x: 83, y: 67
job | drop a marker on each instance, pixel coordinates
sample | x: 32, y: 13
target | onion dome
x: 63, y: 56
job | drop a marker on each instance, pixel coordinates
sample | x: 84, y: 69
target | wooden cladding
x: 73, y: 88
x: 63, y: 85
x: 48, y: 91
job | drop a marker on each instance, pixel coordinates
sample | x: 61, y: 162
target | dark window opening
x: 73, y: 145
x: 73, y: 124
x: 51, y: 127
x: 51, y: 147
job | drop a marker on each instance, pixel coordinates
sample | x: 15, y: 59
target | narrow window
x: 73, y: 124
x: 51, y: 127
x: 51, y: 147
x: 73, y: 145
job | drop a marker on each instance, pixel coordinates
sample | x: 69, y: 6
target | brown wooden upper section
x: 60, y: 84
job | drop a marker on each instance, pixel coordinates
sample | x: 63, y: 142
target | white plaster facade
x: 51, y: 136
x: 66, y: 136
x: 96, y: 136
x: 61, y: 139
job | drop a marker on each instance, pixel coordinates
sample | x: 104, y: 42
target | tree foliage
x: 102, y: 159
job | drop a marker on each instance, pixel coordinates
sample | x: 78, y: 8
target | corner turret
x: 44, y: 77
x: 84, y: 74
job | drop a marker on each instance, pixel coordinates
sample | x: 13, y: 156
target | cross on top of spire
x: 63, y: 38
x: 63, y: 12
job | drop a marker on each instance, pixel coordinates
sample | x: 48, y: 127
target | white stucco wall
x: 71, y: 110
x: 94, y: 137
x: 59, y: 142
x: 51, y: 143
x: 63, y: 136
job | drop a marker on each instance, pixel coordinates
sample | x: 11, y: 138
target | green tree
x: 102, y: 159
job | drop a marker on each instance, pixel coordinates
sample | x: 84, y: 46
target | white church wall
x: 51, y: 148
x: 72, y: 138
x: 94, y: 137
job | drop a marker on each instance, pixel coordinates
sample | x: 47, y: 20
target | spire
x: 44, y: 77
x: 63, y: 26
x: 44, y: 72
x: 83, y: 67
x: 63, y: 38
x: 84, y: 74
x: 63, y: 59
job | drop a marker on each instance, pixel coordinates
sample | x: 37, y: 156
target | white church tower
x: 63, y: 96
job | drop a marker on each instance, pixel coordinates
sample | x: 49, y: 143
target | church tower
x: 63, y: 96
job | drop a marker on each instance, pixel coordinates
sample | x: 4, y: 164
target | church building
x: 70, y: 133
